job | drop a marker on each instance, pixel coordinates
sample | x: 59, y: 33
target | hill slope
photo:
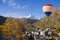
x: 53, y: 21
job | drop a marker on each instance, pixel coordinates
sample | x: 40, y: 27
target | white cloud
x: 13, y: 4
x: 4, y: 1
x: 9, y: 2
x: 21, y: 7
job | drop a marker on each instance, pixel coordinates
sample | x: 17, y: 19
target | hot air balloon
x: 48, y: 9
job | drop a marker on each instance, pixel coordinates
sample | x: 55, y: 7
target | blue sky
x: 22, y: 8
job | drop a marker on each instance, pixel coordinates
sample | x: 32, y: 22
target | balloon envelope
x: 47, y: 8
